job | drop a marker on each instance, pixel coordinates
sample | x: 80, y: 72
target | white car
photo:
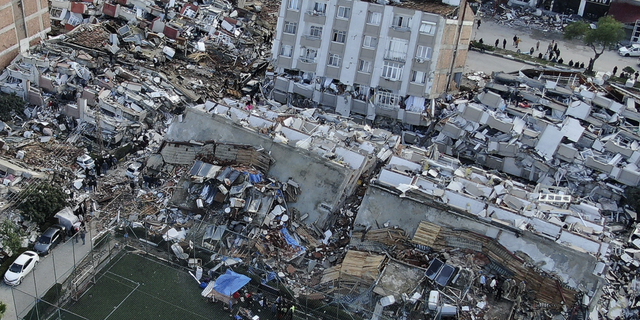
x: 134, y: 170
x: 21, y: 267
x: 85, y: 162
x: 630, y: 51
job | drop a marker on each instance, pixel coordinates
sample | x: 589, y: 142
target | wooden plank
x: 426, y: 234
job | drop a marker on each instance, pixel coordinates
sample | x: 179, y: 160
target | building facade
x: 368, y: 58
x: 23, y: 23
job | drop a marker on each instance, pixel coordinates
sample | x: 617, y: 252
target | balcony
x: 316, y: 13
x: 395, y: 56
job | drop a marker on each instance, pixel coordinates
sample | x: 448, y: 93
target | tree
x: 3, y: 309
x: 11, y: 235
x: 608, y: 32
x: 42, y: 202
x: 10, y: 103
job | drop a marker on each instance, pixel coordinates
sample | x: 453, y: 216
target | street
x: 489, y: 31
x: 57, y: 265
x: 488, y: 63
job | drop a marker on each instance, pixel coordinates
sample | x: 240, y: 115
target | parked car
x: 49, y: 239
x: 21, y: 267
x: 630, y: 51
x: 85, y: 162
x: 134, y: 170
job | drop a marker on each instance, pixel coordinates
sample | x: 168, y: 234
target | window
x: 308, y: 55
x: 418, y: 77
x: 319, y: 8
x: 339, y: 36
x: 428, y: 28
x: 374, y: 18
x: 294, y: 5
x: 290, y: 27
x: 370, y: 42
x: 364, y: 66
x: 423, y: 53
x: 334, y: 60
x: 392, y: 70
x: 387, y: 99
x: 315, y: 31
x: 402, y: 22
x: 344, y: 12
x: 397, y: 49
x: 286, y: 50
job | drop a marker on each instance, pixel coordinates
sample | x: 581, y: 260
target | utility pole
x: 462, y: 10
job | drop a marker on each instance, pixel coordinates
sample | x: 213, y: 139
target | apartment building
x: 23, y: 23
x: 358, y: 57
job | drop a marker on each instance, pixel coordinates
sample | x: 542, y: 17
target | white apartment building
x: 358, y: 57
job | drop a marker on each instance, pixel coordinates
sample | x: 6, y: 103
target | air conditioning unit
x: 420, y: 60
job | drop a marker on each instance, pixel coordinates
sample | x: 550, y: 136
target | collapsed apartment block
x: 547, y: 133
x: 326, y: 154
x: 369, y: 63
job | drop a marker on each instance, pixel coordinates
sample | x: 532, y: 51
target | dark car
x: 49, y: 239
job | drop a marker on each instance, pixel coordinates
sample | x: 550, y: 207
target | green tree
x: 11, y: 235
x: 42, y: 202
x: 608, y: 32
x: 3, y: 309
x: 10, y: 103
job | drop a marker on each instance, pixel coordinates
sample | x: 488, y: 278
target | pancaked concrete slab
x: 323, y: 184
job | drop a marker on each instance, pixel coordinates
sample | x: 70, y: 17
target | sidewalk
x: 52, y: 269
x: 490, y: 30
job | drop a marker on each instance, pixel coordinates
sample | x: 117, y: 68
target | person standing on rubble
x: 132, y: 184
x: 483, y: 282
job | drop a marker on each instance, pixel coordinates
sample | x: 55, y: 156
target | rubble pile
x: 520, y: 14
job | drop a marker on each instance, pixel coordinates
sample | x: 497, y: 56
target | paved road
x: 488, y: 63
x: 57, y: 265
x: 490, y: 30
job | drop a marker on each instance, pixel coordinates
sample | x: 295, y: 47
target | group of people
x: 500, y: 288
x: 280, y: 308
x: 626, y: 75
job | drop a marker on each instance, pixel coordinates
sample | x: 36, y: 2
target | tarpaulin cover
x: 230, y: 282
x: 291, y: 241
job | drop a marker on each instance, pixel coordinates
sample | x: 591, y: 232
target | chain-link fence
x: 209, y: 245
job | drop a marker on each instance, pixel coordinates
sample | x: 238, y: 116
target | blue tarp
x: 291, y: 241
x: 230, y: 282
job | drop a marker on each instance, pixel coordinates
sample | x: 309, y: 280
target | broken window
x: 392, y: 70
x: 387, y: 99
x: 339, y: 36
x: 361, y: 92
x: 397, y: 50
x: 364, y: 66
x: 418, y: 76
x: 319, y: 8
x: 370, y: 42
x: 308, y: 55
x: 315, y: 31
x: 290, y: 27
x: 344, y: 12
x: 374, y: 18
x: 286, y: 50
x: 428, y: 28
x: 334, y: 60
x: 401, y: 22
x: 294, y: 5
x: 423, y: 53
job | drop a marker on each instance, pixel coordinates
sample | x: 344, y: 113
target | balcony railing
x: 308, y: 60
x: 316, y: 13
x: 395, y: 56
